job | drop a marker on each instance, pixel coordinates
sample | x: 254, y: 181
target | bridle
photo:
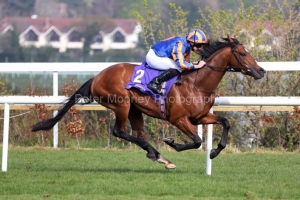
x: 233, y: 69
x: 221, y: 69
x: 248, y: 69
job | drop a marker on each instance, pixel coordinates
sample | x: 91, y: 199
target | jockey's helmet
x: 196, y: 36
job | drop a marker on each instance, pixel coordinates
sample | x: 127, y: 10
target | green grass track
x: 45, y: 173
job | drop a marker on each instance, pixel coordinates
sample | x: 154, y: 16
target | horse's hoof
x: 168, y: 140
x: 213, y: 153
x: 163, y: 160
x: 170, y: 166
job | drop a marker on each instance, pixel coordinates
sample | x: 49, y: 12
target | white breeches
x: 160, y: 63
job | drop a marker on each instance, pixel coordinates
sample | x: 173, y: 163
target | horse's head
x: 242, y: 61
x: 238, y: 59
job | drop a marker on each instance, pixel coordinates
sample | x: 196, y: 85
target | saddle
x: 142, y: 75
x: 140, y: 78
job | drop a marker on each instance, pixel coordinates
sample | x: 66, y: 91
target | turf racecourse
x: 45, y: 173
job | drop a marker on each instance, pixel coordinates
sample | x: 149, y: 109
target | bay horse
x: 187, y: 104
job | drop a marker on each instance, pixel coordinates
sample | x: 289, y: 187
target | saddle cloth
x: 142, y: 75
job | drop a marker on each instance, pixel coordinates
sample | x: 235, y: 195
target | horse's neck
x: 208, y: 79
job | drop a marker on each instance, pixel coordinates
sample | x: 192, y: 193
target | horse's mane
x: 214, y: 45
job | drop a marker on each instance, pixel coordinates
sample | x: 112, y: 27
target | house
x: 269, y: 35
x: 64, y: 33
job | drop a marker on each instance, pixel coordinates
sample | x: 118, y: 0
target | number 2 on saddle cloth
x: 141, y: 76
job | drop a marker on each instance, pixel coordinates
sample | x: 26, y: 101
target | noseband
x: 247, y: 71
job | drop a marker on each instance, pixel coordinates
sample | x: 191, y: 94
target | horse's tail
x: 83, y: 93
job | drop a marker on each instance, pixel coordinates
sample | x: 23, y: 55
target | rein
x: 215, y: 68
x: 228, y: 68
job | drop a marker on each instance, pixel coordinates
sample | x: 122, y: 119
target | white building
x: 64, y: 33
x: 269, y: 36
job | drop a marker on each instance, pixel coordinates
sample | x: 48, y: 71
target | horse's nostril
x: 262, y: 70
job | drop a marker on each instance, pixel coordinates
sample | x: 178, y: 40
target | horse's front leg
x: 214, y: 119
x: 190, y: 130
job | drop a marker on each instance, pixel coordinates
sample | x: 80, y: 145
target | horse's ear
x: 235, y: 39
x: 226, y: 38
x: 230, y: 39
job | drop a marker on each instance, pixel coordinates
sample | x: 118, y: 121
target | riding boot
x: 155, y: 83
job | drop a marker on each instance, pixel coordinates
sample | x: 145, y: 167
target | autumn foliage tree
x: 74, y: 127
x: 269, y: 29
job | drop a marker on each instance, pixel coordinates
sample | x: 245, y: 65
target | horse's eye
x: 243, y: 54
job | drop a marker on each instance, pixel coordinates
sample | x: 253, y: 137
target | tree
x: 91, y: 27
x: 10, y: 48
x: 257, y: 24
x: 104, y: 7
x: 3, y: 86
x: 17, y: 7
x: 76, y: 8
x: 128, y: 7
x: 42, y: 54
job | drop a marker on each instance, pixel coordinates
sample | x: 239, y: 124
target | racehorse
x: 187, y: 104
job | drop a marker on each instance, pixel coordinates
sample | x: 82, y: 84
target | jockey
x: 173, y: 56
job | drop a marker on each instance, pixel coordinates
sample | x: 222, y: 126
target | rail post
x: 55, y: 94
x: 209, y: 146
x: 5, y: 137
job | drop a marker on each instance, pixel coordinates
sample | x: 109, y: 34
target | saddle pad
x: 142, y: 75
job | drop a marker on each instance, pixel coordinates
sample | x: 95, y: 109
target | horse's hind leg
x: 137, y: 124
